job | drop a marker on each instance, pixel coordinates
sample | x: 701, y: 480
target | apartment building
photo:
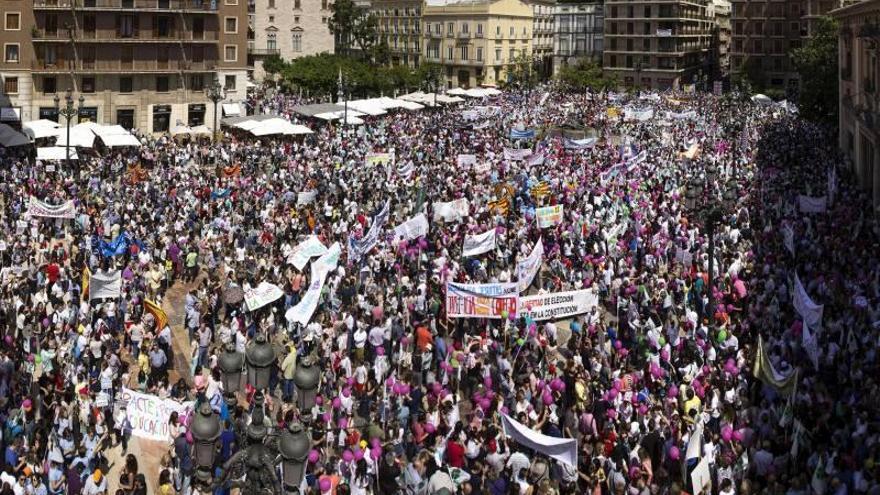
x: 15, y: 66
x: 542, y: 35
x: 138, y: 63
x: 400, y: 28
x: 289, y: 29
x: 766, y: 31
x: 476, y: 40
x: 719, y: 15
x: 577, y: 33
x: 859, y: 125
x: 657, y: 44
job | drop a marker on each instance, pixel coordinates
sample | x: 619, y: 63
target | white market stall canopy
x: 231, y: 109
x: 115, y: 136
x: 201, y: 130
x: 55, y: 153
x: 272, y: 126
x: 9, y: 137
x: 43, y: 128
x: 81, y: 136
x: 353, y: 117
x: 474, y: 92
x: 427, y: 99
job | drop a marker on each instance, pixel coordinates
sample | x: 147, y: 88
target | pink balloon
x: 643, y: 409
x: 673, y: 391
x: 327, y: 417
x: 674, y: 453
x: 547, y: 399
x: 349, y: 381
x: 664, y: 355
x: 430, y: 428
x: 376, y: 453
x: 612, y: 394
x: 358, y: 454
x: 314, y: 455
x: 319, y: 400
x: 380, y: 351
x: 556, y: 385
x: 346, y: 392
x: 343, y: 423
x: 726, y: 433
x: 337, y: 403
x: 436, y: 388
x: 347, y: 455
x: 612, y: 413
x: 487, y: 381
x: 617, y: 384
x: 618, y: 344
x: 738, y: 435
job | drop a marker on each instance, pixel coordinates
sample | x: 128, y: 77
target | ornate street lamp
x: 342, y: 95
x: 231, y: 364
x: 216, y: 93
x: 205, y: 429
x: 259, y: 356
x: 69, y: 112
x: 294, y: 446
x: 306, y: 378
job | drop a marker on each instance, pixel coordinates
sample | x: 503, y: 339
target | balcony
x: 464, y: 36
x: 138, y: 5
x: 263, y: 52
x: 117, y: 66
x: 136, y: 36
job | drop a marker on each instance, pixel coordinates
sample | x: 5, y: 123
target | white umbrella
x: 9, y: 137
x: 181, y: 130
x: 43, y: 128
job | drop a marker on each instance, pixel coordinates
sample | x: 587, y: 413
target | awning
x: 80, y: 136
x: 277, y: 126
x: 38, y: 129
x: 9, y: 137
x: 231, y: 109
x: 10, y: 114
x: 201, y: 130
x: 338, y: 115
x: 55, y: 153
x: 181, y: 130
x: 115, y: 136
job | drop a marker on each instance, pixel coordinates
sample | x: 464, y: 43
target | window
x: 271, y: 19
x: 323, y: 4
x: 479, y: 29
x: 271, y: 4
x: 229, y: 83
x: 450, y: 28
x: 498, y: 54
x: 498, y: 30
x: 512, y: 54
x: 163, y: 27
x: 297, y: 4
x: 88, y: 85
x: 10, y: 85
x: 449, y: 54
x: 323, y: 20
x: 126, y: 26
x: 297, y: 42
x: 10, y: 51
x: 230, y: 53
x: 126, y: 85
x: 50, y: 85
x: 162, y: 84
x: 271, y: 42
x: 13, y: 21
x: 196, y: 82
x: 511, y: 30
x: 198, y: 28
x: 464, y: 52
x: 296, y: 19
x: 479, y: 54
x: 464, y: 28
x: 231, y: 25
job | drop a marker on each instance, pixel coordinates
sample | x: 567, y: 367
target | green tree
x: 273, y: 64
x: 586, y: 74
x: 816, y: 62
x: 429, y: 76
x: 354, y: 27
x: 522, y: 71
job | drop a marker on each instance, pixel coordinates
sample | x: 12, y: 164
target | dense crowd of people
x: 690, y: 374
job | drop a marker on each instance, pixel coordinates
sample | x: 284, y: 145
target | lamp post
x: 69, y: 112
x: 639, y: 77
x: 205, y: 429
x: 702, y: 202
x: 294, y: 447
x: 216, y: 93
x: 342, y: 95
x: 259, y: 357
x: 231, y: 364
x: 306, y: 377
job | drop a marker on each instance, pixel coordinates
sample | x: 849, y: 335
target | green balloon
x: 722, y: 336
x: 661, y: 341
x: 38, y: 359
x: 521, y: 341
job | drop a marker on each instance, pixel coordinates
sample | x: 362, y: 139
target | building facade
x: 765, y: 32
x: 577, y: 33
x: 476, y: 41
x: 657, y: 44
x: 859, y: 125
x: 400, y: 28
x: 542, y: 35
x: 138, y: 63
x: 719, y: 15
x: 289, y: 29
x: 18, y: 56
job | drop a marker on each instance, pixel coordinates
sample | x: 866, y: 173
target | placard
x: 557, y: 304
x: 149, y: 414
x: 481, y: 300
x: 548, y: 216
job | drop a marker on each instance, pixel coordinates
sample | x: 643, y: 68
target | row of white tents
x: 82, y: 135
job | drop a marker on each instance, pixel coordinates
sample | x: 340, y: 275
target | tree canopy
x: 354, y: 27
x: 586, y: 74
x: 816, y: 62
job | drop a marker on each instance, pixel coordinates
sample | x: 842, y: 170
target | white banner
x: 373, y: 159
x: 451, y: 211
x: 811, y: 345
x: 529, y: 267
x: 563, y: 450
x: 359, y: 247
x: 809, y: 311
x: 788, y: 238
x: 482, y: 168
x: 413, y: 228
x: 640, y: 115
x: 516, y: 154
x: 304, y: 251
x: 557, y: 305
x: 37, y: 208
x: 261, y: 295
x: 548, y: 216
x: 105, y: 285
x: 303, y: 311
x: 149, y: 414
x: 306, y: 197
x: 681, y: 116
x: 465, y: 161
x: 701, y: 477
x: 475, y: 245
x: 809, y: 204
x: 480, y: 300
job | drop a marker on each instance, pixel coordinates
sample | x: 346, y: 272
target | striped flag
x: 157, y: 312
x: 540, y: 190
x: 84, y: 286
x: 501, y: 206
x: 405, y: 170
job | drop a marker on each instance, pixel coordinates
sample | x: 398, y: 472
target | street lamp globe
x: 231, y: 364
x: 691, y: 195
x: 306, y: 378
x: 294, y: 447
x: 205, y: 429
x: 729, y: 196
x: 711, y: 172
x: 259, y: 355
